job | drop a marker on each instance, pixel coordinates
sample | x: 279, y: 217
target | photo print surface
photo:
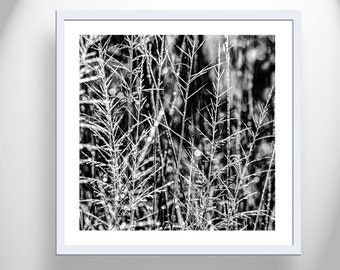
x: 177, y: 132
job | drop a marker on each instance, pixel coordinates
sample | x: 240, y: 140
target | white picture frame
x: 69, y: 240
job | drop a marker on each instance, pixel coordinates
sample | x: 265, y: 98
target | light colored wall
x: 27, y: 154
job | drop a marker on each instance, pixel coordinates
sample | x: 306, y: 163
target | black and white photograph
x: 177, y: 132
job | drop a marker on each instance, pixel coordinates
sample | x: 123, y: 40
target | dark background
x: 27, y: 227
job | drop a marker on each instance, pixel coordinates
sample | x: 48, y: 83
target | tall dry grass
x: 177, y: 132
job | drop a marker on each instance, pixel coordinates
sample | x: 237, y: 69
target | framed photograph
x: 178, y: 132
